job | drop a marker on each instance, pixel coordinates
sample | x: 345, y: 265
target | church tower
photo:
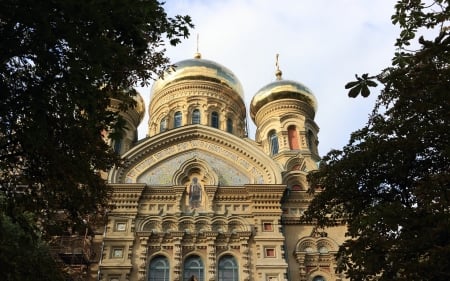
x: 283, y: 112
x: 132, y: 118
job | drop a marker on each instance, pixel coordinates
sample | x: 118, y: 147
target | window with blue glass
x: 193, y: 267
x: 117, y: 146
x: 177, y: 119
x: 228, y: 269
x: 215, y: 120
x: 196, y: 116
x: 319, y: 278
x: 230, y: 125
x: 273, y: 140
x: 159, y: 269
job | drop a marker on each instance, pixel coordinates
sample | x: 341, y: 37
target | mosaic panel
x: 162, y: 173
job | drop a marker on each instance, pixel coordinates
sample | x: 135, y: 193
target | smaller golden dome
x: 282, y: 89
x: 140, y: 105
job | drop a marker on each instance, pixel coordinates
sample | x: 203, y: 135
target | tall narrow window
x: 163, y: 124
x: 117, y: 146
x: 215, y: 120
x: 228, y: 269
x: 273, y: 139
x: 193, y: 267
x: 230, y: 125
x: 196, y: 116
x: 177, y: 119
x: 159, y: 269
x: 310, y: 139
x: 293, y: 137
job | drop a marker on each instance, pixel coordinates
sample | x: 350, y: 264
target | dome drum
x: 283, y: 110
x: 187, y: 91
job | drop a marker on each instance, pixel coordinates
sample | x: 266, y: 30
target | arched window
x: 196, y: 116
x: 230, y: 125
x: 319, y: 278
x: 215, y: 120
x: 163, y: 124
x: 293, y: 137
x: 273, y: 140
x: 193, y: 266
x: 228, y: 269
x: 177, y: 119
x: 159, y: 269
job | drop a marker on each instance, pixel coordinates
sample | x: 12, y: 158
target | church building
x: 197, y: 199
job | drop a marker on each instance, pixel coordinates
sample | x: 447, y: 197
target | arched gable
x: 225, y: 158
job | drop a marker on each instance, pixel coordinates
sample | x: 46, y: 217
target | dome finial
x: 197, y: 54
x: 278, y: 72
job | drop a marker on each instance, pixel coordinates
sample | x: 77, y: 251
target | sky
x: 321, y: 44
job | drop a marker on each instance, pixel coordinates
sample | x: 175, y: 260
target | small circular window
x: 319, y: 278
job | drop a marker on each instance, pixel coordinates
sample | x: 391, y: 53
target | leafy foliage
x: 22, y: 247
x: 391, y: 184
x: 61, y: 63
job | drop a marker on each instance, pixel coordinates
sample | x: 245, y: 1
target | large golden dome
x: 202, y: 70
x: 282, y: 89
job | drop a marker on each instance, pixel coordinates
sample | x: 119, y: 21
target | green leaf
x: 371, y: 83
x: 351, y: 84
x: 354, y: 92
x: 365, y: 92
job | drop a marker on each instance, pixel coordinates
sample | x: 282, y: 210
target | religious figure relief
x: 195, y: 194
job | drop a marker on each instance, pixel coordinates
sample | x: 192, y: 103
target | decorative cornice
x: 287, y: 106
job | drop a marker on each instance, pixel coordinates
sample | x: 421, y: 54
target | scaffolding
x: 73, y: 253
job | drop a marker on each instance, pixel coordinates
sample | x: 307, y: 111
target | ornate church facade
x: 199, y: 200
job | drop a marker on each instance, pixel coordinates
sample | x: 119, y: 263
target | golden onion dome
x: 282, y: 89
x: 202, y: 70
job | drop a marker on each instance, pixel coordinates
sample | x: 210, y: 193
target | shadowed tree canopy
x: 60, y: 63
x: 391, y: 183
